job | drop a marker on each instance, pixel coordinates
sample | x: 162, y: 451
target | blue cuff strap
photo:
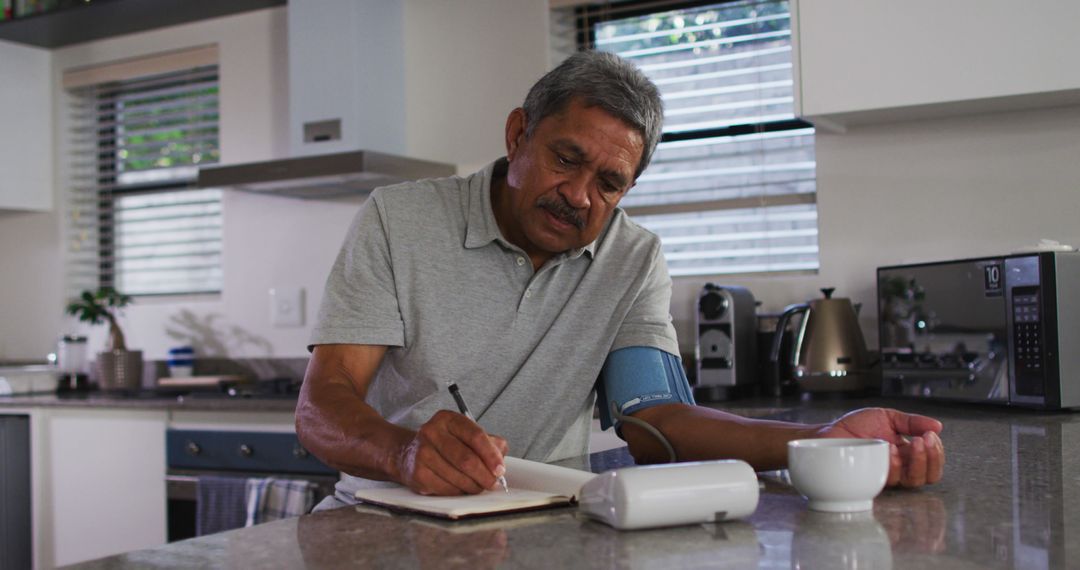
x: 640, y: 377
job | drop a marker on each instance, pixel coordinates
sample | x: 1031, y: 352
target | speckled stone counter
x: 104, y: 400
x: 1010, y: 499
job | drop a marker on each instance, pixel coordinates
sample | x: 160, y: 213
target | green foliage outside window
x: 145, y: 140
x: 691, y: 26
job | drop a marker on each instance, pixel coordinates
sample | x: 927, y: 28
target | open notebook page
x: 532, y: 485
x: 525, y: 474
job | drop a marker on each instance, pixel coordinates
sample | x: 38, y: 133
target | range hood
x: 346, y: 94
x: 322, y: 176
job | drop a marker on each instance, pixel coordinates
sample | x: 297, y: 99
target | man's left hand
x: 916, y: 454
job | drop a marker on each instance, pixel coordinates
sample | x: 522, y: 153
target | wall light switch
x: 287, y: 306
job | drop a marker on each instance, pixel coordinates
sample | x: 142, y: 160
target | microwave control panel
x: 1026, y: 297
x: 1027, y: 342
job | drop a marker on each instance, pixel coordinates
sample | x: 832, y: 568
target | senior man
x: 528, y: 287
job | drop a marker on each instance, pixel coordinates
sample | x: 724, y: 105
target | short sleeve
x: 648, y: 322
x: 360, y: 304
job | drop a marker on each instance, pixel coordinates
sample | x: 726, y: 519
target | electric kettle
x: 829, y: 353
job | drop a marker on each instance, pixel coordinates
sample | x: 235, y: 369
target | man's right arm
x: 449, y: 455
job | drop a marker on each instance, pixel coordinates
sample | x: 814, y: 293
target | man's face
x: 564, y: 181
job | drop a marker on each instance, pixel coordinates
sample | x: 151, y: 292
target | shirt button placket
x: 520, y: 260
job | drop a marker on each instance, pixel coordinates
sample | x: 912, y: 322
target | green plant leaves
x: 97, y: 306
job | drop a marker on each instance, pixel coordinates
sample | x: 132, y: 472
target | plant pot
x: 120, y: 370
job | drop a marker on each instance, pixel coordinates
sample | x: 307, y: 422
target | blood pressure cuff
x: 639, y: 377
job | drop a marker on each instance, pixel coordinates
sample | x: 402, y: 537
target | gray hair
x: 603, y: 80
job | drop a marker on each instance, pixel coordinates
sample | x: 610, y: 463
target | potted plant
x: 118, y: 367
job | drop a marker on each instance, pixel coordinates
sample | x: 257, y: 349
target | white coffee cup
x: 839, y: 475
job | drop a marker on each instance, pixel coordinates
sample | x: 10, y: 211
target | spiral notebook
x: 532, y: 485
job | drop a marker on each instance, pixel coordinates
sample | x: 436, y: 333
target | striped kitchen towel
x: 271, y: 499
x: 219, y: 504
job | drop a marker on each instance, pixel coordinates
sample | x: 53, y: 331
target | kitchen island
x: 1010, y: 498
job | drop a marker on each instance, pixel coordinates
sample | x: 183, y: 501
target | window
x: 732, y: 186
x: 140, y: 130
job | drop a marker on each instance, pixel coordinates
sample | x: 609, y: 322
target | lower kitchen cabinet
x: 104, y: 482
x: 93, y: 479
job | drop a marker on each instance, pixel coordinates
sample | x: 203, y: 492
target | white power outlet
x: 287, y: 306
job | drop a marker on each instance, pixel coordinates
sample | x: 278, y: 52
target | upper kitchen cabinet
x: 863, y: 62
x: 25, y: 128
x: 58, y: 23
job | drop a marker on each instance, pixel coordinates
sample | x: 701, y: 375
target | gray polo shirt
x: 426, y: 271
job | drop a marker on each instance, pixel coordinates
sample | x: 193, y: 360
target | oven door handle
x: 185, y: 487
x: 181, y: 487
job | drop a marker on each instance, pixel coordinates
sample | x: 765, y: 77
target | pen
x: 464, y: 409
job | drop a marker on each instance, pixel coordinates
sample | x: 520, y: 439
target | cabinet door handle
x: 192, y: 448
x: 246, y: 450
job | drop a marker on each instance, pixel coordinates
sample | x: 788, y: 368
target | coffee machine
x: 725, y: 352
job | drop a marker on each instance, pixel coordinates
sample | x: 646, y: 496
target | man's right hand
x: 451, y: 455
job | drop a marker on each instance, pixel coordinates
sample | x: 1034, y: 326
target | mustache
x: 561, y: 210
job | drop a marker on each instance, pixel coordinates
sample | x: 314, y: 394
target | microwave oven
x: 1002, y: 330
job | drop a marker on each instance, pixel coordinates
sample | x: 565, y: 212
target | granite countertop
x: 209, y: 402
x: 1010, y: 498
x: 266, y: 392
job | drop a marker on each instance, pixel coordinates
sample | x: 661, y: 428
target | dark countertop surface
x: 197, y: 401
x: 1010, y: 498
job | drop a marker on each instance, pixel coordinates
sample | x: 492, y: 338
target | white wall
x: 253, y: 103
x: 923, y: 191
x: 467, y: 65
x: 888, y: 193
x: 466, y: 68
x: 30, y: 285
x: 455, y: 105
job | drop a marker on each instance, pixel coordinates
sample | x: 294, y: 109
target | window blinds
x: 732, y: 186
x: 139, y: 132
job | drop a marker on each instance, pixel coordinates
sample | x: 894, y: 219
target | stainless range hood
x: 322, y: 176
x: 346, y: 99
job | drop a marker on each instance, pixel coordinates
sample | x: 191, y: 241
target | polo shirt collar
x: 481, y: 227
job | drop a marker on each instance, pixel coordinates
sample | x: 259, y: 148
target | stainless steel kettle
x: 829, y: 353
